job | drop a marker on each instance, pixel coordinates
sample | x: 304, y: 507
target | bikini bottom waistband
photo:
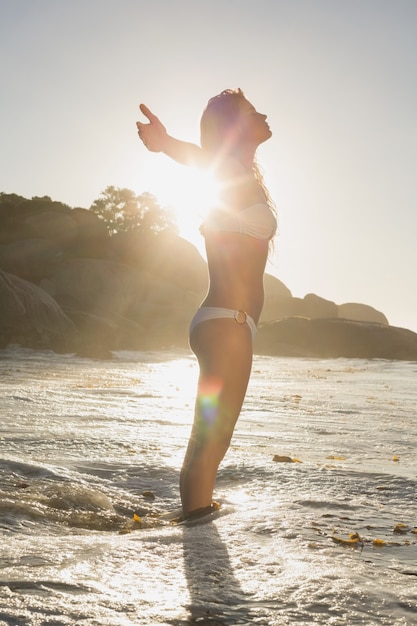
x: 206, y: 313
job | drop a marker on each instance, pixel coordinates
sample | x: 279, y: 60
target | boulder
x: 283, y: 305
x: 361, y: 313
x: 275, y: 287
x: 29, y: 316
x: 164, y: 255
x: 331, y: 338
x: 98, y: 336
x: 278, y: 299
x: 313, y: 307
x: 164, y: 311
x: 30, y: 259
x: 95, y: 286
x: 130, y: 308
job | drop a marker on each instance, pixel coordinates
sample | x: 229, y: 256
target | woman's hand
x: 156, y: 139
x: 154, y: 134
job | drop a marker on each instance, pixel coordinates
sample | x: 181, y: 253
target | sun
x: 187, y: 192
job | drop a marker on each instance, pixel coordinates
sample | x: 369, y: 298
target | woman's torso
x: 236, y: 271
x: 237, y: 237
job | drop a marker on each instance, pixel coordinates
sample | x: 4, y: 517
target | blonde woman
x: 237, y: 236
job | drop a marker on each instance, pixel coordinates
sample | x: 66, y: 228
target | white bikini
x: 206, y: 313
x: 257, y: 221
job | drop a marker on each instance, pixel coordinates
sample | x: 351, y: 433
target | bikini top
x: 256, y: 221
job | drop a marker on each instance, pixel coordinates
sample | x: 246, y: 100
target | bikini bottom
x: 205, y: 313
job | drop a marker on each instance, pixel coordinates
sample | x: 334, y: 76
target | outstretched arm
x: 155, y: 137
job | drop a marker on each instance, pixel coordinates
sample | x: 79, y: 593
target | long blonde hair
x: 219, y: 132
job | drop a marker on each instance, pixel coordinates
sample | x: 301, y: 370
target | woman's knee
x: 211, y: 450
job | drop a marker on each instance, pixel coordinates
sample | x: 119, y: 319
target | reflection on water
x: 84, y: 445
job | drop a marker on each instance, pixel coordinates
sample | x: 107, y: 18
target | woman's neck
x: 246, y: 155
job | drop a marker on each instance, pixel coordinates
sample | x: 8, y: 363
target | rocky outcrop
x: 53, y: 226
x: 282, y: 305
x: 31, y: 258
x: 361, y: 313
x: 30, y: 317
x: 96, y: 286
x: 128, y: 306
x: 66, y: 284
x: 278, y: 299
x: 165, y: 255
x: 312, y: 306
x: 329, y: 338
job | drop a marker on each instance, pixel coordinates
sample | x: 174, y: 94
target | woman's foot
x: 197, y: 513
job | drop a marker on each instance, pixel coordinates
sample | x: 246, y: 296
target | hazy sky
x: 337, y: 79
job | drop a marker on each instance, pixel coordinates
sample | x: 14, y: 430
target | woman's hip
x: 206, y: 313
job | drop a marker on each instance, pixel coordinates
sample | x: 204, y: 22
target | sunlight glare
x: 181, y: 377
x: 188, y: 192
x: 240, y: 498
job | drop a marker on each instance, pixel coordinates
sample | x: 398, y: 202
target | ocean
x: 318, y: 494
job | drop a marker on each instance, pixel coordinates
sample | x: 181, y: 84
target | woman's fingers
x: 148, y: 113
x: 153, y: 120
x: 152, y: 133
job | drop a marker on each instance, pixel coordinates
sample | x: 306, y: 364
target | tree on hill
x: 20, y: 207
x: 15, y: 210
x: 123, y: 211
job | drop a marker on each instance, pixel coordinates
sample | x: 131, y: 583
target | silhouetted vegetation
x: 122, y: 211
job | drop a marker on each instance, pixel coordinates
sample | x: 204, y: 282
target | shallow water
x: 86, y: 445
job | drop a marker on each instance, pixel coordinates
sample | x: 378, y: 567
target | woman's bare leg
x: 224, y: 352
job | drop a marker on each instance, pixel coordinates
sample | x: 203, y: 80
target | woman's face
x: 252, y: 125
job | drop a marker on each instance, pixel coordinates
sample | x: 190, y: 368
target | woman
x: 237, y: 235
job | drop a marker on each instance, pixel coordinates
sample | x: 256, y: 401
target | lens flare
x: 209, y: 390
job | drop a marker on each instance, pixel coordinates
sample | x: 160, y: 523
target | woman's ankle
x: 200, y: 512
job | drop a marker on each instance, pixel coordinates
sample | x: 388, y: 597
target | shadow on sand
x: 216, y: 597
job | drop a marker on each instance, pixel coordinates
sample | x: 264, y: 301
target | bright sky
x: 337, y: 79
